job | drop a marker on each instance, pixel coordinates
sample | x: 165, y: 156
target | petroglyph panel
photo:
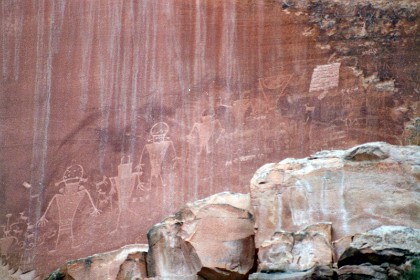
x: 159, y: 103
x: 325, y: 77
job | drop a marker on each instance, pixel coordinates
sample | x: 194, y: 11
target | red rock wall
x: 115, y: 113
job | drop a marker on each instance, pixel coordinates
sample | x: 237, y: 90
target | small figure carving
x: 309, y: 110
x: 105, y: 192
x: 205, y: 130
x: 8, y: 239
x: 124, y: 185
x: 239, y: 109
x: 68, y: 200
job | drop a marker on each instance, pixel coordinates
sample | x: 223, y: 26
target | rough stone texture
x: 409, y: 270
x: 320, y: 273
x: 134, y: 267
x: 163, y: 102
x: 362, y: 272
x: 386, y: 244
x: 340, y: 245
x: 212, y: 238
x: 296, y: 251
x: 357, y: 190
x: 128, y: 262
x: 8, y: 273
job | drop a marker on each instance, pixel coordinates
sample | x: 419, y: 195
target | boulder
x: 386, y: 244
x: 129, y: 262
x: 210, y: 238
x: 297, y: 251
x: 362, y: 272
x: 134, y: 267
x: 356, y: 190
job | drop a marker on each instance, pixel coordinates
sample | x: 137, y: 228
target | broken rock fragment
x: 128, y: 261
x: 210, y: 238
x: 386, y: 244
x: 297, y: 251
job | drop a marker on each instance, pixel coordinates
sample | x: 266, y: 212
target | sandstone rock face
x: 128, y: 262
x: 164, y: 102
x: 299, y: 251
x: 386, y: 244
x: 387, y: 252
x: 356, y: 190
x: 362, y: 272
x: 320, y: 272
x: 8, y: 273
x: 211, y: 238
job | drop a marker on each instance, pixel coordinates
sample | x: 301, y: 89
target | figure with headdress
x: 161, y: 152
x: 68, y: 200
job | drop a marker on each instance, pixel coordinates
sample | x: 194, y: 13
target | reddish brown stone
x: 164, y: 102
x: 211, y: 238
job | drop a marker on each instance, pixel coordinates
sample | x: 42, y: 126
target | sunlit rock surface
x: 114, y: 113
x: 212, y: 238
x: 125, y: 263
x: 7, y: 272
x: 356, y: 190
x: 296, y: 251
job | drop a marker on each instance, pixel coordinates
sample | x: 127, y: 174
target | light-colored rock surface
x: 211, y: 237
x: 390, y: 244
x: 8, y: 273
x: 129, y: 261
x: 339, y: 246
x: 134, y: 267
x: 297, y: 251
x: 321, y: 272
x: 356, y: 190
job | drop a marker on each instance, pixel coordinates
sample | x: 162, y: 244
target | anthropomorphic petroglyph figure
x: 239, y: 109
x: 68, y: 200
x: 309, y: 111
x: 124, y: 184
x: 160, y: 151
x: 105, y: 193
x: 8, y: 239
x: 205, y: 130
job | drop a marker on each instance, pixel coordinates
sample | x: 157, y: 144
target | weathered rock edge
x: 356, y: 190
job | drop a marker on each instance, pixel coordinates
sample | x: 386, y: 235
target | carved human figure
x: 105, y: 193
x: 205, y: 130
x: 68, y: 200
x: 239, y: 109
x: 160, y: 151
x: 8, y: 239
x: 124, y: 184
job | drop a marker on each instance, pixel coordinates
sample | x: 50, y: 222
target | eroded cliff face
x: 115, y: 113
x: 343, y: 214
